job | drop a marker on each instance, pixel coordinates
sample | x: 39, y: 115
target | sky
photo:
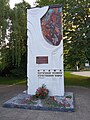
x: 12, y: 2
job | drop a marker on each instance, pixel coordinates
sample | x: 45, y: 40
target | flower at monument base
x: 53, y: 98
x: 42, y: 92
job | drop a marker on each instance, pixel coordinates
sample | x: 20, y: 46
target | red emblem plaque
x: 42, y: 60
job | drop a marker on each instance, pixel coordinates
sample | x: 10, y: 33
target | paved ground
x: 83, y: 73
x: 82, y: 106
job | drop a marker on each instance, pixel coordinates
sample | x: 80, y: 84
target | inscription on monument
x: 50, y: 73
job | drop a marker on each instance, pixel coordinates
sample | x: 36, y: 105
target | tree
x: 13, y: 30
x: 76, y: 28
x: 4, y: 16
x: 18, y: 36
x: 18, y: 32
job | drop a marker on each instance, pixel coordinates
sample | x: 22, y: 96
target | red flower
x: 42, y: 92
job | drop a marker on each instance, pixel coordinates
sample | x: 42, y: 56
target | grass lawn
x: 70, y: 80
x: 75, y: 80
x: 12, y: 80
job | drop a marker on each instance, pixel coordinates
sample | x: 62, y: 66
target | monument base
x: 51, y: 103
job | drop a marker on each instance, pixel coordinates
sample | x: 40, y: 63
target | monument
x: 44, y: 63
x: 45, y: 49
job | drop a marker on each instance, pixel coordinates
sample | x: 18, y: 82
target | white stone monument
x: 45, y: 49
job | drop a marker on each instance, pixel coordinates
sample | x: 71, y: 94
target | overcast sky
x: 12, y: 2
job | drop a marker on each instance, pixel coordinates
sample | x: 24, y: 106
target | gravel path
x: 83, y: 73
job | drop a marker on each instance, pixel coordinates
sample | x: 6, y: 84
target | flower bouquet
x: 42, y: 92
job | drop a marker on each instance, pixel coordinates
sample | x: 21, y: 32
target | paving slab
x: 82, y: 106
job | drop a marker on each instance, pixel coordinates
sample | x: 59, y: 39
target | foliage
x: 17, y: 41
x: 4, y: 25
x: 76, y: 27
x: 12, y: 37
x: 42, y: 92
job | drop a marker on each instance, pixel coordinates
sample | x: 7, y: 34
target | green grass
x: 75, y: 80
x: 70, y: 80
x: 12, y: 80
